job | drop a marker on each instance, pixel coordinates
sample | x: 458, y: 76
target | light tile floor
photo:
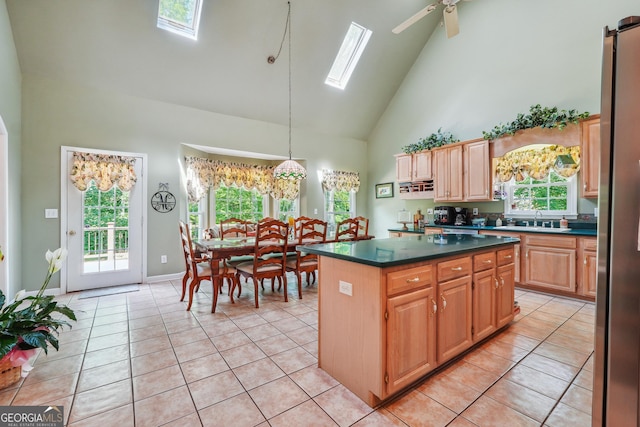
x: 140, y: 359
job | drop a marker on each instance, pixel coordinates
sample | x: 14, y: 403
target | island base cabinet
x: 411, y: 338
x: 505, y: 293
x: 454, y: 317
x: 484, y: 304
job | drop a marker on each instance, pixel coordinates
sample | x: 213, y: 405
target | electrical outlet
x: 346, y: 288
x: 475, y: 211
x: 429, y: 211
x: 315, y: 211
x: 163, y: 259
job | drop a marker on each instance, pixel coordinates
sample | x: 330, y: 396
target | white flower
x: 55, y: 259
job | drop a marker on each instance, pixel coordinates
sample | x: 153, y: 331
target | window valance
x: 537, y: 163
x: 203, y: 174
x: 339, y: 180
x: 105, y: 170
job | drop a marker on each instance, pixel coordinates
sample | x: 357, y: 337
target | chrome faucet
x: 535, y: 218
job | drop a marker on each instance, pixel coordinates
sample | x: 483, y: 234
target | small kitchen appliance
x: 461, y: 216
x: 444, y: 215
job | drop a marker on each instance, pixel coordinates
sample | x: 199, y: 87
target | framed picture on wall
x: 384, y: 191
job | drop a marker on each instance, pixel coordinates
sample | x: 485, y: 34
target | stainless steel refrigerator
x: 616, y: 387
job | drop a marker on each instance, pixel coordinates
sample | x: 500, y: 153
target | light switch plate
x: 346, y: 288
x: 51, y: 213
x: 475, y: 211
x: 429, y: 211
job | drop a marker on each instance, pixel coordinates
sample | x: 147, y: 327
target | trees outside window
x: 553, y: 195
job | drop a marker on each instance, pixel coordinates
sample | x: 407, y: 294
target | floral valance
x: 339, y: 180
x: 203, y: 174
x: 537, y: 163
x: 105, y: 170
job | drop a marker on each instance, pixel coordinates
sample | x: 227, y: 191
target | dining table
x: 220, y: 249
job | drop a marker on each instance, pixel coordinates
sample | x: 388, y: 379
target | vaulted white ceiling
x: 115, y: 45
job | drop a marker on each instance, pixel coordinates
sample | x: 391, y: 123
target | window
x: 287, y: 209
x: 338, y: 205
x: 553, y: 196
x: 352, y: 47
x: 180, y: 16
x: 197, y: 217
x: 235, y: 202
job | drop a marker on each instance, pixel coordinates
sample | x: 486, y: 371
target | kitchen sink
x: 531, y: 228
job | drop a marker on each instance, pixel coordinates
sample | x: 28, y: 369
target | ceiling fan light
x: 290, y: 170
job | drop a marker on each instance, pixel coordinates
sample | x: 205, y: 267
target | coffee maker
x: 444, y: 215
x: 461, y: 217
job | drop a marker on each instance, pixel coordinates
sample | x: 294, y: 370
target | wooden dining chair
x: 233, y: 227
x: 363, y: 226
x: 271, y: 239
x: 198, y: 268
x: 311, y: 231
x: 347, y: 229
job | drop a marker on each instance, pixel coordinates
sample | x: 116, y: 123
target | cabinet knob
x: 585, y: 260
x: 507, y: 257
x: 487, y: 261
x: 502, y: 280
x: 444, y: 302
x: 497, y: 284
x: 435, y: 307
x: 414, y: 280
x: 456, y: 268
x: 585, y: 186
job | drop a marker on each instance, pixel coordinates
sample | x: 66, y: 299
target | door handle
x: 71, y: 232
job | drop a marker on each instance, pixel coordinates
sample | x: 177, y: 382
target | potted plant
x: 27, y: 323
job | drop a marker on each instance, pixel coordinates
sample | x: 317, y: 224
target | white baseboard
x: 165, y: 278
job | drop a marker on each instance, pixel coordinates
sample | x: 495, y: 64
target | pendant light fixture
x: 289, y: 169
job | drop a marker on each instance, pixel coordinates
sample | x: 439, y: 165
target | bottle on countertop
x: 499, y: 222
x: 564, y: 223
x: 418, y: 220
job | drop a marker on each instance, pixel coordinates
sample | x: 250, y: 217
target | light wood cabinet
x: 448, y: 171
x: 590, y: 157
x: 411, y: 337
x: 477, y: 185
x: 414, y: 167
x: 484, y: 304
x: 454, y: 308
x: 550, y: 262
x: 588, y: 266
x: 403, y: 167
x: 505, y: 293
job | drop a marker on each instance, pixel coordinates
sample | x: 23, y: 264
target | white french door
x: 103, y: 230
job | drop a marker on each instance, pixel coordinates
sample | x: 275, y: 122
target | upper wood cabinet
x: 448, y: 170
x: 477, y: 184
x: 590, y: 153
x: 413, y: 167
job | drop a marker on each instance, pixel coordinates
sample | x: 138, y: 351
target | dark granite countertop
x: 575, y: 230
x: 405, y: 250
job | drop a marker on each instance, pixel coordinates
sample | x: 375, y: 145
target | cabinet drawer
x: 589, y: 244
x: 551, y: 241
x: 484, y: 261
x: 412, y: 278
x: 505, y: 256
x: 458, y: 267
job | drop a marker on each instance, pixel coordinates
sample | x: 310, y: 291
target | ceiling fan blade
x: 415, y: 18
x: 450, y: 14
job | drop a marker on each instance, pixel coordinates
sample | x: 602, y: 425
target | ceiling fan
x: 450, y: 15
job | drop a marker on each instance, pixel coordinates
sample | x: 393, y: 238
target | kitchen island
x: 392, y: 310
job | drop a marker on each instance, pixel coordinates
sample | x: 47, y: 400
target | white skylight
x: 180, y: 16
x: 352, y: 47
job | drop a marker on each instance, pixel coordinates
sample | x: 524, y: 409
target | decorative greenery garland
x: 538, y: 116
x: 437, y: 139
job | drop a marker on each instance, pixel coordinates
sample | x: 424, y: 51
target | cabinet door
x: 441, y: 175
x: 411, y: 337
x: 505, y: 294
x: 590, y: 162
x: 589, y: 272
x: 403, y: 167
x: 454, y: 317
x: 456, y: 169
x: 476, y: 171
x: 484, y: 308
x: 422, y: 166
x: 551, y: 268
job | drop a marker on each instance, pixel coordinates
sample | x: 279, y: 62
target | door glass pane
x: 106, y: 229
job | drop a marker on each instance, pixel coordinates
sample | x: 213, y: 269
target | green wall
x: 508, y: 56
x: 59, y: 114
x: 10, y: 112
